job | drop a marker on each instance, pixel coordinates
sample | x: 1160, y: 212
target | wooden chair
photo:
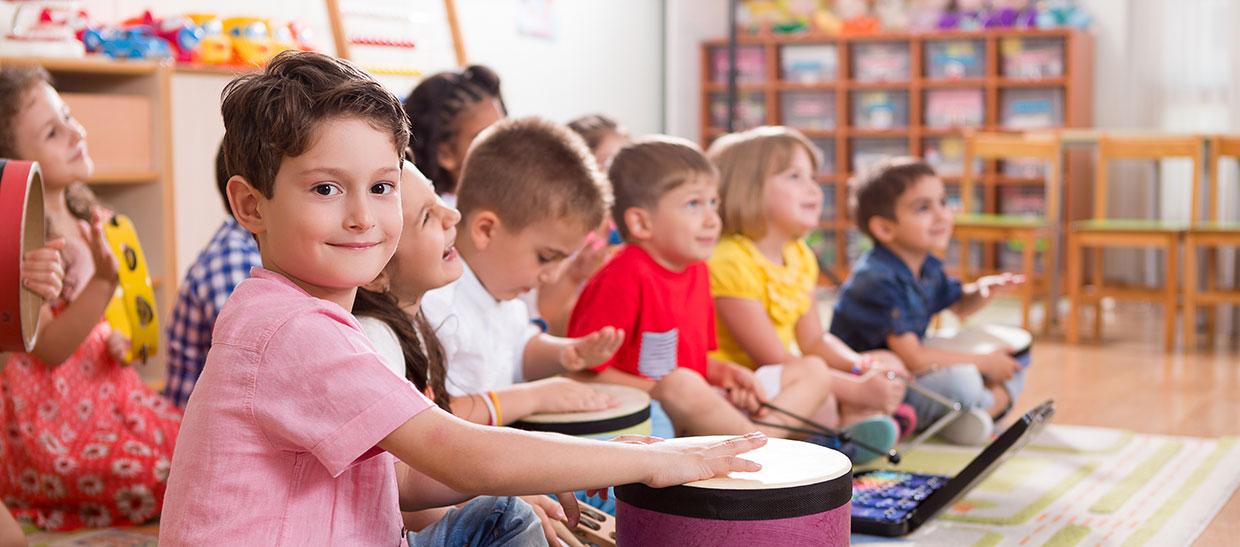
x: 1212, y: 233
x: 1101, y: 232
x: 1001, y: 228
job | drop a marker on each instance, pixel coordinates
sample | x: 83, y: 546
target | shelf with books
x: 862, y: 99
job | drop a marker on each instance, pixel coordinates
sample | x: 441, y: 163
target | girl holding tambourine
x: 86, y: 443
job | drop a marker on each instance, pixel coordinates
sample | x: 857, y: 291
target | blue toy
x: 138, y: 42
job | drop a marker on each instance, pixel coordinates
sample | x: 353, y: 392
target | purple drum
x: 800, y: 497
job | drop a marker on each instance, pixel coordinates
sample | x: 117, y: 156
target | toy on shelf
x: 43, y: 28
x: 894, y: 14
x: 1011, y: 14
x: 965, y: 15
x: 214, y: 48
x: 924, y: 15
x: 137, y: 42
x: 295, y: 35
x: 1061, y: 13
x: 856, y: 17
x: 181, y: 33
x: 251, y: 40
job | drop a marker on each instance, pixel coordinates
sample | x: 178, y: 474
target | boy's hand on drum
x: 692, y: 459
x: 592, y: 349
x: 43, y: 272
x: 987, y: 284
x: 547, y: 509
x: 106, y: 265
x: 556, y: 395
x: 998, y: 365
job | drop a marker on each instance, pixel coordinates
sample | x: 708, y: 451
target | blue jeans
x: 486, y: 520
x: 963, y: 384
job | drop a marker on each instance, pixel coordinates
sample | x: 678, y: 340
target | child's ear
x: 481, y: 227
x: 245, y: 201
x: 883, y: 229
x: 638, y: 222
x: 447, y: 159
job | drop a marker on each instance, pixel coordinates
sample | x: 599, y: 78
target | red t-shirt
x: 668, y: 317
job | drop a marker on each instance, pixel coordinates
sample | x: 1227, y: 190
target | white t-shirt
x: 383, y: 338
x: 483, y: 338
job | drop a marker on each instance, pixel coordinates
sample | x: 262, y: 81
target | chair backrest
x: 1221, y: 146
x: 1011, y: 146
x: 1113, y: 147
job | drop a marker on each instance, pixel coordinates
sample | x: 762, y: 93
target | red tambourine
x: 22, y: 229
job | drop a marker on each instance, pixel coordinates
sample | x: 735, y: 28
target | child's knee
x: 963, y: 384
x: 887, y: 358
x: 681, y: 384
x: 811, y: 370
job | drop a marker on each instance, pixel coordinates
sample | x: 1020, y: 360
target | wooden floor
x: 1128, y: 381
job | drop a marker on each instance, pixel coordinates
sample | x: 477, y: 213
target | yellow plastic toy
x: 215, y: 48
x: 132, y: 309
x: 251, y: 39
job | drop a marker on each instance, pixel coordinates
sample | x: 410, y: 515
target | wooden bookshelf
x: 1009, y: 71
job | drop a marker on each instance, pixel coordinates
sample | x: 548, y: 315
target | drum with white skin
x: 800, y: 497
x: 630, y: 417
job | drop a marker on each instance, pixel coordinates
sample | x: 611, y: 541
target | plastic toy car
x: 215, y: 48
x: 251, y: 39
x: 137, y: 42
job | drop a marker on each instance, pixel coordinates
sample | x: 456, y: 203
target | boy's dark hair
x: 221, y: 177
x: 424, y: 355
x: 433, y: 107
x: 530, y: 169
x: 594, y: 128
x: 875, y: 191
x: 15, y: 82
x: 642, y: 172
x: 273, y: 114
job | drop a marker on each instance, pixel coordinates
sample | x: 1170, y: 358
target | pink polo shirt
x: 278, y: 441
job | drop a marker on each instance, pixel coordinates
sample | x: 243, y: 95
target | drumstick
x: 843, y: 436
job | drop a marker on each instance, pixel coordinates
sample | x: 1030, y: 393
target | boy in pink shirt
x: 290, y: 433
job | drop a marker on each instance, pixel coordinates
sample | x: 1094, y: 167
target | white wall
x: 607, y: 57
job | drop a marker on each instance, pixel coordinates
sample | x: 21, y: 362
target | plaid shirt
x: 220, y: 267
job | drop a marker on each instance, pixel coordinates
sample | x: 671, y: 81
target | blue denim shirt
x: 882, y: 298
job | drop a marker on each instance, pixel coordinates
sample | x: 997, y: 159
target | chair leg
x: 964, y: 260
x: 1072, y: 322
x: 1190, y: 294
x: 1171, y: 292
x: 1211, y: 286
x: 1097, y: 297
x: 1048, y: 273
x: 1026, y: 292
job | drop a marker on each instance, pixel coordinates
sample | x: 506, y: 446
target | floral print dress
x: 85, y: 443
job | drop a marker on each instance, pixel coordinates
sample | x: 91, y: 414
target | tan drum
x: 799, y: 497
x: 22, y: 229
x: 985, y: 339
x: 630, y: 417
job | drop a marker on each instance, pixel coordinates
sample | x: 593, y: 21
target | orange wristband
x: 499, y: 417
